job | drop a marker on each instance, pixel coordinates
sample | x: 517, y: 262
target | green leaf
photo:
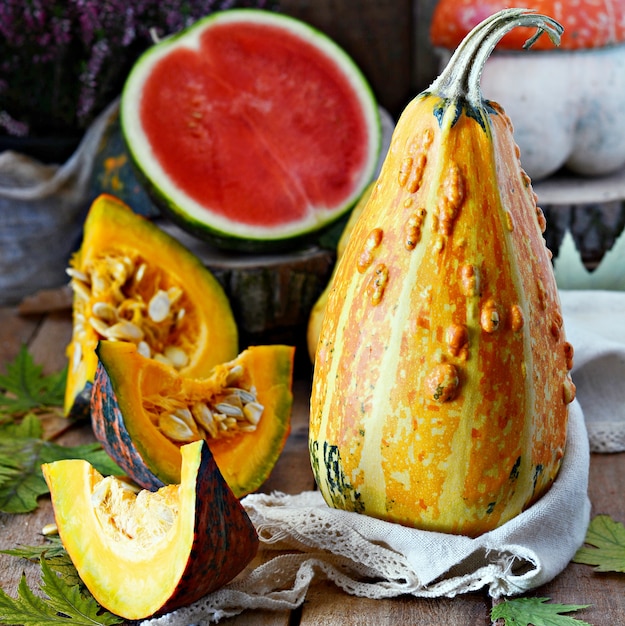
x: 49, y: 550
x: 55, y: 555
x: 65, y: 604
x: 26, y: 388
x: 608, y: 538
x: 62, y: 565
x: 22, y: 453
x: 536, y: 611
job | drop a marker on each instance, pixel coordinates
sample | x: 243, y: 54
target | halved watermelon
x: 251, y: 128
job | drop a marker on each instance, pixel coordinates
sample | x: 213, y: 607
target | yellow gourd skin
x: 441, y: 378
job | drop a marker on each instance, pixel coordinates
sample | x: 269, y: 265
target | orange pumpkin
x: 441, y: 378
x: 564, y: 102
x: 133, y: 282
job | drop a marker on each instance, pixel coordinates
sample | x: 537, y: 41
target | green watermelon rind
x: 230, y: 235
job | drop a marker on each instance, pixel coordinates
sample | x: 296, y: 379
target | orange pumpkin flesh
x: 131, y: 392
x: 441, y: 381
x: 123, y: 262
x: 151, y: 552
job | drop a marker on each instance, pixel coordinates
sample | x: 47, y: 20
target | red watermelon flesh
x: 257, y: 133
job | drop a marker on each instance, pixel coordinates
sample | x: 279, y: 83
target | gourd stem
x: 461, y: 77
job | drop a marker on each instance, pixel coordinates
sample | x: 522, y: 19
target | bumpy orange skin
x: 441, y: 378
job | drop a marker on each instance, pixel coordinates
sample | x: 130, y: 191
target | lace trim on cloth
x: 375, y: 559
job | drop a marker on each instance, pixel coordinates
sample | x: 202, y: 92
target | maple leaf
x: 608, y: 538
x: 536, y: 612
x: 22, y: 453
x: 51, y: 549
x: 26, y: 388
x: 65, y: 604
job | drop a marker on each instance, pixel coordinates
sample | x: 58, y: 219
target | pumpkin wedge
x: 145, y: 553
x: 143, y: 411
x: 134, y: 282
x: 441, y: 383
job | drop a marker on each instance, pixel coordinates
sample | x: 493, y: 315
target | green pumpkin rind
x: 441, y: 378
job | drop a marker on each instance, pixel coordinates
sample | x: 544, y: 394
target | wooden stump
x: 271, y: 294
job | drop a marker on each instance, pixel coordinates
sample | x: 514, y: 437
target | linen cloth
x: 42, y: 209
x: 376, y: 559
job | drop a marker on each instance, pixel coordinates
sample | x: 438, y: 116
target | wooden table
x: 47, y: 335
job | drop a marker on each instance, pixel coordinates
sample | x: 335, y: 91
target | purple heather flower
x: 62, y: 61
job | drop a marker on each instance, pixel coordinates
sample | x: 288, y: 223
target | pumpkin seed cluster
x: 121, y: 299
x: 233, y: 409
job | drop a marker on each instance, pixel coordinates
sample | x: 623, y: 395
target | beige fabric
x: 375, y: 559
x: 595, y: 326
x: 41, y: 215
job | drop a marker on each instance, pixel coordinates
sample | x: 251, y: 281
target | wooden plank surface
x: 325, y: 604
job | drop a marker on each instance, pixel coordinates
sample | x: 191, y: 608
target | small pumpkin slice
x: 143, y: 411
x: 142, y: 554
x: 133, y: 282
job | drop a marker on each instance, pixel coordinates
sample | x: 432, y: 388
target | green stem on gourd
x: 461, y: 78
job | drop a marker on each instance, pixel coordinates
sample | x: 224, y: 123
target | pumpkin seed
x: 99, y: 284
x: 177, y: 356
x: 234, y: 375
x: 230, y: 422
x: 77, y: 356
x: 100, y: 493
x: 140, y: 273
x: 105, y: 311
x: 100, y: 326
x: 161, y: 358
x: 186, y: 416
x: 174, y: 293
x: 176, y: 428
x: 159, y: 306
x: 80, y: 289
x: 253, y: 411
x: 234, y: 399
x: 229, y: 409
x: 72, y: 272
x: 204, y: 417
x: 143, y: 348
x: 125, y: 331
x: 243, y: 395
x: 50, y: 529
